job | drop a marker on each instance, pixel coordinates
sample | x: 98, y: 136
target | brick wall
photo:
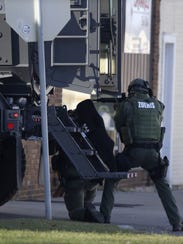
x: 31, y: 189
x: 140, y: 182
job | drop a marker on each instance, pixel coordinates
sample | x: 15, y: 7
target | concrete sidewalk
x: 140, y: 211
x: 143, y: 211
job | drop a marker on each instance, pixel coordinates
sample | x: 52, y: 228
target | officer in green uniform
x: 79, y: 194
x: 138, y: 121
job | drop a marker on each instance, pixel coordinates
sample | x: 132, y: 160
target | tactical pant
x: 79, y: 196
x: 107, y: 201
x: 148, y: 159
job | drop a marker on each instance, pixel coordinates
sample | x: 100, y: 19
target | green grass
x: 36, y: 231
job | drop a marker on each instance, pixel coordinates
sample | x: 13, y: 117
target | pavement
x: 140, y: 211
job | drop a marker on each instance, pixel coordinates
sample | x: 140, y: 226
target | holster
x: 160, y: 171
x: 164, y: 163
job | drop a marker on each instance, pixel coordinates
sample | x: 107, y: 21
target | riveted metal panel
x: 73, y: 58
x: 5, y: 42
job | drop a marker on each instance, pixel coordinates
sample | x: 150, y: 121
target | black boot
x: 178, y: 227
x: 92, y: 215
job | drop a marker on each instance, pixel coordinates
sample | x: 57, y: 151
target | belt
x: 145, y: 145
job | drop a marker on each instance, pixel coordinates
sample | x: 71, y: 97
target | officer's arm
x: 121, y: 115
x: 162, y: 107
x: 117, y: 117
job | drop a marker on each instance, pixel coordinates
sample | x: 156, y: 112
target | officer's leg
x: 74, y: 199
x: 122, y: 163
x: 90, y: 193
x: 167, y: 200
x: 107, y: 201
x: 92, y: 215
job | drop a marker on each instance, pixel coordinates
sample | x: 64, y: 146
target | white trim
x: 167, y: 96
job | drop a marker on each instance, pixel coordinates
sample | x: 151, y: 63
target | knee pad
x: 92, y: 215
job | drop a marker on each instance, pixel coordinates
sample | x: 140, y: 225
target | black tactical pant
x: 148, y: 159
x: 107, y: 201
x: 79, y: 197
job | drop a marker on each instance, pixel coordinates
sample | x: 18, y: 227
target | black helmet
x: 139, y: 85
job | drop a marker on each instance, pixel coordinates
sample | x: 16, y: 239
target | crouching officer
x: 138, y: 121
x: 78, y: 193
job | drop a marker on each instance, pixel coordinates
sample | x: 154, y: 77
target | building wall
x: 171, y: 25
x: 155, y: 45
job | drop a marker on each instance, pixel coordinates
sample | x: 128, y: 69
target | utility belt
x: 127, y: 138
x: 145, y: 145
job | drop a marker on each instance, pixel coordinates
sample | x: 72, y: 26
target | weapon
x: 117, y: 99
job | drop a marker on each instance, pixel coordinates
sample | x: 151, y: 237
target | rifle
x: 117, y: 99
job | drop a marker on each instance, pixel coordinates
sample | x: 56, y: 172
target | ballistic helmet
x: 138, y: 85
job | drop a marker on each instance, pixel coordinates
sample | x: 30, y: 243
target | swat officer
x: 79, y: 194
x: 138, y: 121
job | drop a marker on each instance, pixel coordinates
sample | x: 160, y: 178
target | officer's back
x: 138, y: 121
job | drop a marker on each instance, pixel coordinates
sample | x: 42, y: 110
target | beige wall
x: 72, y: 98
x: 171, y: 25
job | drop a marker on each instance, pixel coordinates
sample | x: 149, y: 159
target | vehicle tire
x: 8, y: 175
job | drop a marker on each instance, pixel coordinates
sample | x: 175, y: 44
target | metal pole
x: 44, y: 120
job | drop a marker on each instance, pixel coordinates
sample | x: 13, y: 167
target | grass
x: 38, y: 231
